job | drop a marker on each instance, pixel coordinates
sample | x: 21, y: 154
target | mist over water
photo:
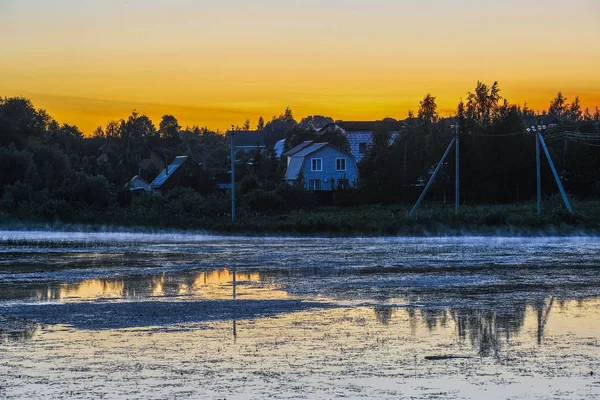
x: 456, y: 315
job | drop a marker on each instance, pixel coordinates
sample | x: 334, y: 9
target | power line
x: 500, y: 135
x: 583, y: 143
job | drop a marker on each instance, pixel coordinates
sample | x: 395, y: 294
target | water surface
x: 127, y: 315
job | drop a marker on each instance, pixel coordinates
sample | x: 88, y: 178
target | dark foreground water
x: 105, y: 315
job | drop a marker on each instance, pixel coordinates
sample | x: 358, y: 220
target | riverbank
x: 430, y: 220
x: 371, y: 220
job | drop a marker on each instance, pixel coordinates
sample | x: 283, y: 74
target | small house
x: 322, y: 167
x: 138, y: 184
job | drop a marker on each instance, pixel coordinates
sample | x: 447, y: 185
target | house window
x: 342, y: 184
x: 314, y: 184
x: 340, y: 164
x: 316, y: 164
x: 362, y: 148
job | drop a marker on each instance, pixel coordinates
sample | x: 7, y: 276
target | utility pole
x: 232, y: 177
x: 435, y: 172
x: 457, y: 172
x: 454, y: 142
x: 538, y: 171
x: 404, y: 170
x: 539, y: 140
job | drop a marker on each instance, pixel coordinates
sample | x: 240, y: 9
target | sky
x: 219, y: 62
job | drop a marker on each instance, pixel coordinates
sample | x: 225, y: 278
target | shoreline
x: 232, y: 232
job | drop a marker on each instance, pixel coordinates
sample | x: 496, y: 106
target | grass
x: 368, y: 220
x: 431, y: 219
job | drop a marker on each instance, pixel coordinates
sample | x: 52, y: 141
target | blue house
x: 322, y: 167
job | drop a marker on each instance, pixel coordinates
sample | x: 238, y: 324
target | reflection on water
x: 486, y: 324
x: 88, y: 289
x: 485, y: 328
x: 216, y: 284
x: 323, y: 353
x: 17, y: 329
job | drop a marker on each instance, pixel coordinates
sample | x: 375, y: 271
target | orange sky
x: 216, y: 63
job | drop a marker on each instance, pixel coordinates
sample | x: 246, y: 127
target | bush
x: 15, y: 166
x: 248, y: 184
x: 295, y: 196
x: 263, y: 201
x: 18, y: 193
x: 92, y: 190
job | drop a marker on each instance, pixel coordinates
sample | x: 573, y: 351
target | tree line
x: 51, y: 171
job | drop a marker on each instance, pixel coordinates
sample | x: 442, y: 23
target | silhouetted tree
x: 482, y: 106
x: 574, y: 111
x: 428, y: 109
x: 558, y: 106
x: 138, y: 126
x: 261, y: 124
x: 19, y: 120
x: 169, y: 128
x: 315, y: 122
x: 99, y: 133
x: 113, y: 129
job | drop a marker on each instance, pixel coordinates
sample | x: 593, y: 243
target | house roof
x: 163, y: 176
x: 310, y: 149
x: 247, y: 138
x: 279, y: 147
x: 296, y: 149
x: 138, y: 183
x: 294, y: 167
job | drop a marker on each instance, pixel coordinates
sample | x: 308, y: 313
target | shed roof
x: 163, y: 176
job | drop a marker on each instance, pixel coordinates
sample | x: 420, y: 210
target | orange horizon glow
x: 217, y: 63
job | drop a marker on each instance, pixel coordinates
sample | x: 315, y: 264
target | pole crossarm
x: 437, y: 169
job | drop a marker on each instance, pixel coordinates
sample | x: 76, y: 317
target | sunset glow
x: 217, y: 63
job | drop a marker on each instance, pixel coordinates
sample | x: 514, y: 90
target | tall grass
x: 366, y: 220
